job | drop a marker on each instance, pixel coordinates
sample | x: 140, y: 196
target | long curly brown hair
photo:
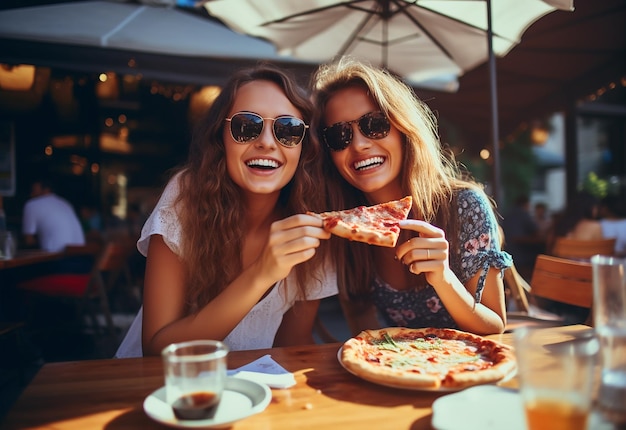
x: 429, y: 173
x: 209, y: 206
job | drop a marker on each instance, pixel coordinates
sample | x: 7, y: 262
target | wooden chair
x: 582, y: 249
x: 85, y: 288
x: 557, y: 279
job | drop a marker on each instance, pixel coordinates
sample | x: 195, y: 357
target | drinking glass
x: 609, y: 315
x: 556, y: 380
x: 7, y: 245
x: 195, y: 375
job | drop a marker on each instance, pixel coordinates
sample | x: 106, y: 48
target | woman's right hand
x: 291, y: 241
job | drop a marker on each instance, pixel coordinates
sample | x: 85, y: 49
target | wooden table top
x: 98, y: 394
x: 29, y: 256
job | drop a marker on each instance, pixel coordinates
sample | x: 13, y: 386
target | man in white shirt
x: 49, y: 220
x: 613, y: 222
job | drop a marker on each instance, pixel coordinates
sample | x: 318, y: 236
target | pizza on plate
x: 426, y: 358
x: 376, y: 225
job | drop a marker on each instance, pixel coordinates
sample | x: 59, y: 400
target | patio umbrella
x: 158, y: 41
x: 120, y: 24
x: 420, y: 40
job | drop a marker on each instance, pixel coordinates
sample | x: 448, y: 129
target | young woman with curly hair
x: 231, y: 254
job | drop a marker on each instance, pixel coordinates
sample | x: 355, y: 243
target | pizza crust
x: 372, y: 357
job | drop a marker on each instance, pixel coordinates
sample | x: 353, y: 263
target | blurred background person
x: 543, y: 219
x: 579, y: 220
x: 49, y: 221
x: 91, y: 221
x: 613, y: 221
x: 523, y: 240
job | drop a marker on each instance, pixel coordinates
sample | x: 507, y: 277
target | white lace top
x: 258, y: 328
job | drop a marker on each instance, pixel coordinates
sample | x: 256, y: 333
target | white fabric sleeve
x: 163, y: 220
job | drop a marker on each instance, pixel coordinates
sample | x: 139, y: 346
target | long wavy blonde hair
x: 429, y: 173
x: 209, y: 204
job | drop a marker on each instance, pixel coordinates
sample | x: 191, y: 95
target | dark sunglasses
x: 373, y: 125
x: 248, y: 126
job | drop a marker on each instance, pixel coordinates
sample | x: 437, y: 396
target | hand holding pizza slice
x: 376, y: 225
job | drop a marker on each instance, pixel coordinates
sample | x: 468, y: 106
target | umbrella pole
x: 495, y: 131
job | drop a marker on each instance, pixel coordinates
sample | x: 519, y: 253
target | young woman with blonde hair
x: 381, y: 145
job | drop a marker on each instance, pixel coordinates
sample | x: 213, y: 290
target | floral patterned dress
x: 478, y: 250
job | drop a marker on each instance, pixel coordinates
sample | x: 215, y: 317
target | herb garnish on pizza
x: 376, y: 225
x: 427, y: 358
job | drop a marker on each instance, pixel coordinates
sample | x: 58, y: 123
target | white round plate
x: 403, y: 387
x: 241, y: 398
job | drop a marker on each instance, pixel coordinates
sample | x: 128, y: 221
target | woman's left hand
x: 427, y: 253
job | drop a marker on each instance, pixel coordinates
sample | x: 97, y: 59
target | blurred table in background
x: 30, y: 256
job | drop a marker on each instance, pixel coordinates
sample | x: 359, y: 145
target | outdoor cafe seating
x: 120, y: 393
x: 557, y: 280
x: 582, y: 249
x: 88, y: 291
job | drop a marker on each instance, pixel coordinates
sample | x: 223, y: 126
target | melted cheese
x: 429, y: 355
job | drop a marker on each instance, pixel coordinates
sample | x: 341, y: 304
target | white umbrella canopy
x: 424, y: 41
x: 130, y: 26
x: 154, y: 38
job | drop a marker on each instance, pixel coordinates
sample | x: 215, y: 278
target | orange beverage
x: 555, y: 414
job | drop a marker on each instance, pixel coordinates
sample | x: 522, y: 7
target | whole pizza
x: 427, y: 358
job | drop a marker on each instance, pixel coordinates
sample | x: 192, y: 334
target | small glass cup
x: 7, y: 245
x: 195, y: 375
x: 556, y: 380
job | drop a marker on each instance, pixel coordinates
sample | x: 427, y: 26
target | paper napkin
x: 266, y: 371
x: 458, y: 411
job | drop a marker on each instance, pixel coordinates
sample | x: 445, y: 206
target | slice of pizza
x: 376, y: 225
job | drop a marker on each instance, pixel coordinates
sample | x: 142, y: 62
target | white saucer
x: 481, y: 407
x: 241, y: 398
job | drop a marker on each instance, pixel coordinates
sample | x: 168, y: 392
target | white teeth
x: 369, y: 163
x: 263, y: 162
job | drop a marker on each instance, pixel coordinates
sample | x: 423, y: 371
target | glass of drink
x: 195, y: 375
x: 609, y: 314
x: 7, y: 245
x: 556, y: 379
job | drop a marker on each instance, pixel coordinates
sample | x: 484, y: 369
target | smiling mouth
x: 369, y: 163
x: 263, y: 164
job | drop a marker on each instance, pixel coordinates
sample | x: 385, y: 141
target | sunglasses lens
x: 374, y: 125
x: 245, y: 127
x: 288, y: 130
x: 338, y: 136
